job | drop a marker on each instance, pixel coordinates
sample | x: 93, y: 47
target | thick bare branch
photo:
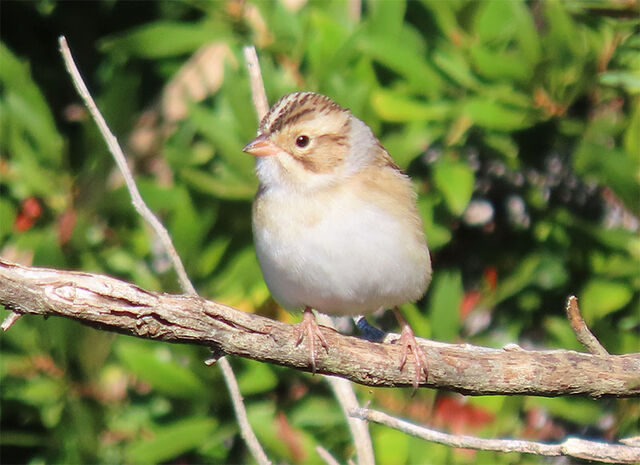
x: 572, y: 447
x: 119, y: 306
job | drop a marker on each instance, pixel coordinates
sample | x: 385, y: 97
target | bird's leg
x: 370, y: 333
x: 309, y: 327
x: 409, y: 343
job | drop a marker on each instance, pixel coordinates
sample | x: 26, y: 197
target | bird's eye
x: 302, y: 141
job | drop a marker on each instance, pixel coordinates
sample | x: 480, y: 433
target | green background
x: 530, y: 111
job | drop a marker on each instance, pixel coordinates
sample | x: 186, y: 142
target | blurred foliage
x: 519, y: 123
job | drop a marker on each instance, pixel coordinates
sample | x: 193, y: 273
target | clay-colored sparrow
x: 335, y: 222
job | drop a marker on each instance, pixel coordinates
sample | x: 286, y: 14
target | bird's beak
x: 261, y: 146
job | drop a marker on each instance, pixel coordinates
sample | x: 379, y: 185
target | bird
x: 335, y: 222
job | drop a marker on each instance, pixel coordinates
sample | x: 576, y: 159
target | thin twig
x: 118, y: 155
x: 572, y: 447
x: 631, y: 441
x: 241, y: 414
x: 236, y: 399
x: 326, y: 456
x: 238, y: 405
x: 258, y: 94
x: 342, y: 388
x: 9, y: 321
x: 581, y: 330
x: 354, y: 9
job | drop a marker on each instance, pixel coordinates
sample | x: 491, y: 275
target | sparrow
x: 335, y: 223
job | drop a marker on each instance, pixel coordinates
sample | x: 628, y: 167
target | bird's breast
x: 337, y: 253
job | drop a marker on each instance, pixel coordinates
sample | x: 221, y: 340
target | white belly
x: 349, y: 257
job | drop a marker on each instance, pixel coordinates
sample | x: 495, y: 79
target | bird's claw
x: 309, y: 328
x: 409, y: 344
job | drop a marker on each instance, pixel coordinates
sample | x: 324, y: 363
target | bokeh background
x: 519, y: 123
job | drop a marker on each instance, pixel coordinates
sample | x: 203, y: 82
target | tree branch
x: 141, y: 207
x: 118, y: 156
x: 115, y: 305
x: 258, y: 94
x: 581, y: 330
x: 572, y: 447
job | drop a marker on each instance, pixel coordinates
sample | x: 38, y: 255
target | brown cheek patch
x: 329, y: 151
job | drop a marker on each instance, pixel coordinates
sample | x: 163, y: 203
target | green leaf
x: 316, y: 412
x: 499, y: 65
x: 25, y: 109
x: 526, y: 33
x: 498, y: 24
x: 7, y: 217
x: 391, y: 446
x: 224, y: 185
x: 40, y: 391
x: 444, y: 305
x: 632, y: 134
x: 612, y: 167
x: 164, y: 374
x: 44, y: 244
x: 189, y: 226
x: 240, y: 283
x: 386, y: 17
x: 524, y: 275
x: 418, y: 320
x: 403, y: 59
x: 257, y: 377
x: 211, y: 255
x: 163, y: 39
x: 170, y: 441
x: 220, y: 128
x: 564, y: 32
x: 216, y: 448
x: 580, y: 411
x: 493, y: 22
x: 456, y: 66
x: 327, y: 41
x: 628, y: 80
x: 267, y: 424
x: 613, y: 265
x: 392, y: 106
x: 437, y: 234
x: 444, y: 15
x: 408, y: 143
x: 490, y: 114
x: 284, y: 23
x: 503, y: 144
x: 600, y: 297
x: 455, y: 180
x: 561, y: 334
x: 551, y: 272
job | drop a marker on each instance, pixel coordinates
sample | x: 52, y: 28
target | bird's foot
x: 309, y: 328
x: 409, y: 344
x: 370, y: 333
